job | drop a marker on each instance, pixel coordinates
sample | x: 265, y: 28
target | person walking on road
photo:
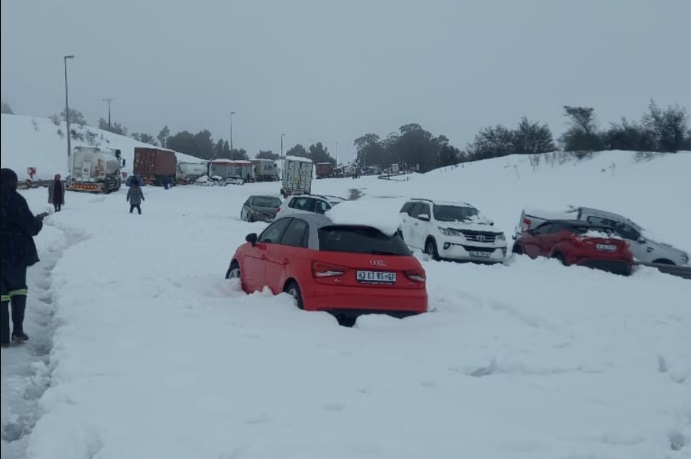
x: 135, y: 196
x: 19, y: 226
x: 56, y: 193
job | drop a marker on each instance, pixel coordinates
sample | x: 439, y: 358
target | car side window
x: 415, y: 209
x: 406, y: 208
x: 292, y: 203
x: 322, y: 207
x: 426, y: 210
x: 296, y: 234
x: 272, y: 233
x: 303, y: 204
x: 544, y: 229
x: 624, y: 230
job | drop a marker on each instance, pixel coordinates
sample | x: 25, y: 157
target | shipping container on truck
x: 324, y: 170
x: 296, y: 176
x: 155, y: 166
x: 94, y: 170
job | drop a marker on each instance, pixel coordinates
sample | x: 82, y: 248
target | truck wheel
x: 431, y: 249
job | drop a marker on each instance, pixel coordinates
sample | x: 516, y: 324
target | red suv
x: 343, y: 269
x: 577, y: 243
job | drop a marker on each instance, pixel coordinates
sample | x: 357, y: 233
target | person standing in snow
x: 135, y: 196
x: 19, y: 226
x: 56, y: 193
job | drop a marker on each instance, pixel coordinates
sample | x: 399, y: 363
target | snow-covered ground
x: 148, y: 352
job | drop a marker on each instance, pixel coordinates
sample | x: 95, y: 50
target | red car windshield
x: 360, y: 239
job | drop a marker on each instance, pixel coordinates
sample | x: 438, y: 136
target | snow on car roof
x: 549, y: 214
x: 366, y: 213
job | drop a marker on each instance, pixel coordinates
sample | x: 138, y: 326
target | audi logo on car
x: 377, y: 262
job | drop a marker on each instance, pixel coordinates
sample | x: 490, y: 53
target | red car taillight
x: 327, y: 270
x: 416, y: 275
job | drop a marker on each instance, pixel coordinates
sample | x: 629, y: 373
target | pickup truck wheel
x: 431, y: 249
x: 663, y: 261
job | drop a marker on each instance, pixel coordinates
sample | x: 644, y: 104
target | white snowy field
x: 151, y: 353
x: 35, y: 142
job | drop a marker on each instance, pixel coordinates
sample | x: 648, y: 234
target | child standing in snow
x: 135, y: 196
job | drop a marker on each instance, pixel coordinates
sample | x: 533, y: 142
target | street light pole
x: 231, y: 134
x: 282, y: 144
x: 109, y: 101
x: 67, y: 108
x: 336, y: 154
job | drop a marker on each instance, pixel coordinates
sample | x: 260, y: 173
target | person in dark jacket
x: 56, y: 193
x: 135, y: 196
x: 19, y: 226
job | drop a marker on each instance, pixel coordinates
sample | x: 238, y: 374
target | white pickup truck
x: 644, y: 250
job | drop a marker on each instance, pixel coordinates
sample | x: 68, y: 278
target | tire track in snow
x: 26, y: 369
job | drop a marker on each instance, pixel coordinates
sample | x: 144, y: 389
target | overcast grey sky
x: 334, y: 70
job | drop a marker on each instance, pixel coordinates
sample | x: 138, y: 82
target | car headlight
x: 501, y: 237
x: 685, y: 257
x: 450, y: 232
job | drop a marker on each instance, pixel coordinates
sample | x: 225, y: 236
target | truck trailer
x: 154, y: 165
x: 94, y: 170
x: 296, y: 176
x: 189, y: 172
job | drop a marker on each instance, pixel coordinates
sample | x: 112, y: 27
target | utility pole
x: 231, y: 134
x: 336, y: 154
x: 109, y: 102
x: 67, y: 109
x: 282, y: 145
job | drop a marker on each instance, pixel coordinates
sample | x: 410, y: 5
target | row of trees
x: 659, y: 129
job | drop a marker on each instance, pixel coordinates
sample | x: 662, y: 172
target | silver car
x: 260, y: 208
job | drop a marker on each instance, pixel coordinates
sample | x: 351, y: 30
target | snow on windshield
x: 446, y: 213
x: 376, y: 214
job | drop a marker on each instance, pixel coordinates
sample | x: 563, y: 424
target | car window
x: 624, y: 230
x: 303, y: 204
x: 322, y: 206
x: 296, y: 234
x: 273, y: 232
x: 265, y: 201
x: 444, y: 213
x: 545, y: 228
x: 415, y: 209
x: 406, y: 207
x: 360, y: 239
x: 426, y: 210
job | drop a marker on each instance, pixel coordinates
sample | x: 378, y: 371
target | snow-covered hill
x: 38, y: 142
x: 139, y: 348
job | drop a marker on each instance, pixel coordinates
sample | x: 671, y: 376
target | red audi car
x: 577, y: 243
x: 346, y: 270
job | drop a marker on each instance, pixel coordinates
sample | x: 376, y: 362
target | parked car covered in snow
x: 260, y: 208
x: 644, y: 249
x: 451, y: 230
x: 345, y: 269
x: 308, y: 203
x: 574, y: 242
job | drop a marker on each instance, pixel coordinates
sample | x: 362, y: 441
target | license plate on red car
x: 376, y: 277
x: 606, y: 247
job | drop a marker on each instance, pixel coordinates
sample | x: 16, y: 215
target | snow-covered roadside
x: 25, y: 368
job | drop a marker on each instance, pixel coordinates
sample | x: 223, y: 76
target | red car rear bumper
x: 327, y: 298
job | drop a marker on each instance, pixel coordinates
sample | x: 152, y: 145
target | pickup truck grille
x: 479, y: 236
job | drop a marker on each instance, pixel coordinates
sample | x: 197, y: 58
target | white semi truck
x: 296, y: 175
x: 94, y: 169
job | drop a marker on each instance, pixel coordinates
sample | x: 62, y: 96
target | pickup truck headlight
x: 450, y: 232
x: 501, y: 237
